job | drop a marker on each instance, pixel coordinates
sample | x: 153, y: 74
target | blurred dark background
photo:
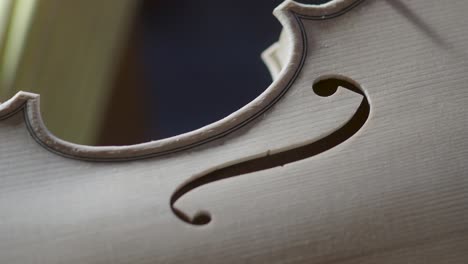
x: 188, y: 64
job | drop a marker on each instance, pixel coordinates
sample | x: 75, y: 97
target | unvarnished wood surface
x: 396, y: 192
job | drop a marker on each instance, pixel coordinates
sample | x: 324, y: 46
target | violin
x: 356, y: 153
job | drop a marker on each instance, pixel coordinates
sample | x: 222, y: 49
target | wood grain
x: 394, y: 192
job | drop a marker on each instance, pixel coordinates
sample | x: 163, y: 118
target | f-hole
x: 324, y: 86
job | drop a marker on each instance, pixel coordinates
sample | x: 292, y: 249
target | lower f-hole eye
x: 201, y: 218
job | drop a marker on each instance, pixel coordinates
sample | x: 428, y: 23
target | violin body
x: 356, y: 153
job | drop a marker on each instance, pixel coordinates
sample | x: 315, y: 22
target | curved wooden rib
x: 326, y: 86
x: 289, y: 14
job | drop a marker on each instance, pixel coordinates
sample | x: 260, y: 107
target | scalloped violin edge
x: 327, y: 175
x: 283, y: 59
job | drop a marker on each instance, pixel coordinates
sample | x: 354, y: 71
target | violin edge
x: 288, y: 13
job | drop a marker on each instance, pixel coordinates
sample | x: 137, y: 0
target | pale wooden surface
x: 396, y: 192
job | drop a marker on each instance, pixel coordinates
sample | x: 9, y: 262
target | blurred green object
x: 66, y: 51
